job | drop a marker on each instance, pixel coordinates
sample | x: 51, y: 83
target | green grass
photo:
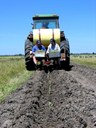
x: 89, y: 61
x: 12, y: 75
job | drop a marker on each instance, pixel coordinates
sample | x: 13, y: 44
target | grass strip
x: 12, y: 75
x: 89, y: 62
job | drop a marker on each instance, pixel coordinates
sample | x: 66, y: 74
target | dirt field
x: 58, y: 99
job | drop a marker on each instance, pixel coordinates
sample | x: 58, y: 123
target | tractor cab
x: 45, y: 21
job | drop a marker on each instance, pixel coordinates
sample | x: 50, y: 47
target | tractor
x: 45, y: 27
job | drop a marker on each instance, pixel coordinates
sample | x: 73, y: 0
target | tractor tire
x: 65, y: 45
x: 28, y: 61
x: 65, y: 64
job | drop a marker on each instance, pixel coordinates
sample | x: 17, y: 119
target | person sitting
x: 35, y: 48
x: 45, y: 25
x: 52, y: 46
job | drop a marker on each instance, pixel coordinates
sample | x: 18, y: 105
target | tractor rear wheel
x: 28, y: 61
x: 64, y: 46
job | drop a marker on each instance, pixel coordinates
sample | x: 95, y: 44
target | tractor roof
x: 52, y: 16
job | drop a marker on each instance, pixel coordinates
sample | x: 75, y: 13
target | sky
x: 77, y: 20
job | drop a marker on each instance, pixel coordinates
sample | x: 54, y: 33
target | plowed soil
x: 57, y: 99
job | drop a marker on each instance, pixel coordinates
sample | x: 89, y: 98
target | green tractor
x: 44, y: 28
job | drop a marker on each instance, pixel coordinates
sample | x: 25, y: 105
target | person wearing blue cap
x: 35, y: 48
x: 38, y: 46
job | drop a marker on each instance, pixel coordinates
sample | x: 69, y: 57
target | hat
x: 38, y: 42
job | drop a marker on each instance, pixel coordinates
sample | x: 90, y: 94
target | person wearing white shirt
x: 52, y: 46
